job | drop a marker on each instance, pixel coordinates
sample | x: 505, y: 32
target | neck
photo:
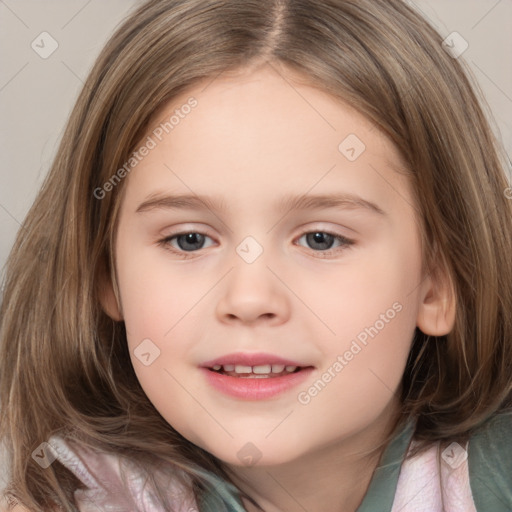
x: 335, y: 478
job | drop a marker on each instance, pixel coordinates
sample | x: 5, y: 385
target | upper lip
x: 250, y: 359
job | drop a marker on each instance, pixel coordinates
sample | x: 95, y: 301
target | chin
x: 254, y: 454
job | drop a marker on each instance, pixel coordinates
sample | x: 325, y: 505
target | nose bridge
x: 251, y: 266
x: 252, y: 290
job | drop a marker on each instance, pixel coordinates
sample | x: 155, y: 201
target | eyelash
x: 346, y: 243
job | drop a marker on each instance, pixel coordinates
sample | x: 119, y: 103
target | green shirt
x: 490, y: 465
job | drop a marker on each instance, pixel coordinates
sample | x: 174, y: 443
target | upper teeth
x: 265, y: 368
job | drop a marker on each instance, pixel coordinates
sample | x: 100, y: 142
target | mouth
x: 264, y: 371
x: 251, y: 376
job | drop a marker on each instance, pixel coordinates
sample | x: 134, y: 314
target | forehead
x: 262, y: 131
x: 288, y: 104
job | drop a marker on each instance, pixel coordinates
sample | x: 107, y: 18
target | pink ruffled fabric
x: 435, y: 481
x: 101, y: 473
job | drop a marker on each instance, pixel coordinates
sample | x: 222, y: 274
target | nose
x: 253, y: 293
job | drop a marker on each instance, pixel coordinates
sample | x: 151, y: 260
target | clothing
x: 436, y: 482
x: 102, y: 474
x: 476, y: 477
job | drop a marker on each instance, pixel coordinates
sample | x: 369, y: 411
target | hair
x: 65, y: 363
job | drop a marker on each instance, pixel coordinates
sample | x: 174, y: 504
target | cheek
x: 372, y: 310
x: 161, y: 315
x: 375, y: 292
x: 362, y: 373
x: 153, y: 296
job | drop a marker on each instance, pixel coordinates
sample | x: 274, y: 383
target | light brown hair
x: 64, y: 362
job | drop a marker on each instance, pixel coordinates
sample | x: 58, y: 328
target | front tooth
x: 277, y: 368
x: 265, y: 368
x: 291, y: 368
x: 228, y: 367
x: 241, y: 369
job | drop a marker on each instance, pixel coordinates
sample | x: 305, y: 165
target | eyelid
x: 187, y: 228
x: 321, y: 227
x: 346, y: 243
x: 318, y: 226
x: 166, y: 245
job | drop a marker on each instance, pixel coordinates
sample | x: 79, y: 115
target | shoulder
x: 112, y: 480
x: 8, y: 504
x: 11, y: 508
x: 490, y: 463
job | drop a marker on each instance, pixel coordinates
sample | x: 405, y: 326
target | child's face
x: 257, y: 281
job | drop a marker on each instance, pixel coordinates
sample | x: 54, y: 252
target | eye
x: 187, y: 242
x: 323, y: 240
x: 192, y: 241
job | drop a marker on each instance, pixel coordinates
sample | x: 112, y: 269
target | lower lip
x: 254, y: 388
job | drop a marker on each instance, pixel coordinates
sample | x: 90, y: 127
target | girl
x: 259, y: 370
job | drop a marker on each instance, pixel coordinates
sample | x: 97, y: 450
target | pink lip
x: 248, y: 359
x: 252, y: 388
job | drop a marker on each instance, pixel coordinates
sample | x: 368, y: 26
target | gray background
x: 36, y: 94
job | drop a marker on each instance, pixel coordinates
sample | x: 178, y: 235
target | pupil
x: 319, y: 237
x: 190, y: 239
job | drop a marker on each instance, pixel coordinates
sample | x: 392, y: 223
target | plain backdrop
x: 37, y: 94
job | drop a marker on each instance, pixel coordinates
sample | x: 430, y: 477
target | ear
x: 107, y: 297
x: 436, y: 314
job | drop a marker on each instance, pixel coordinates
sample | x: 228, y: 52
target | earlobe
x: 436, y: 314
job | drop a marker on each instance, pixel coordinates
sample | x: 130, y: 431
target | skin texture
x: 252, y: 138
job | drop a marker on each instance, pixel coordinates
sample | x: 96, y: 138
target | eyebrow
x: 286, y: 204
